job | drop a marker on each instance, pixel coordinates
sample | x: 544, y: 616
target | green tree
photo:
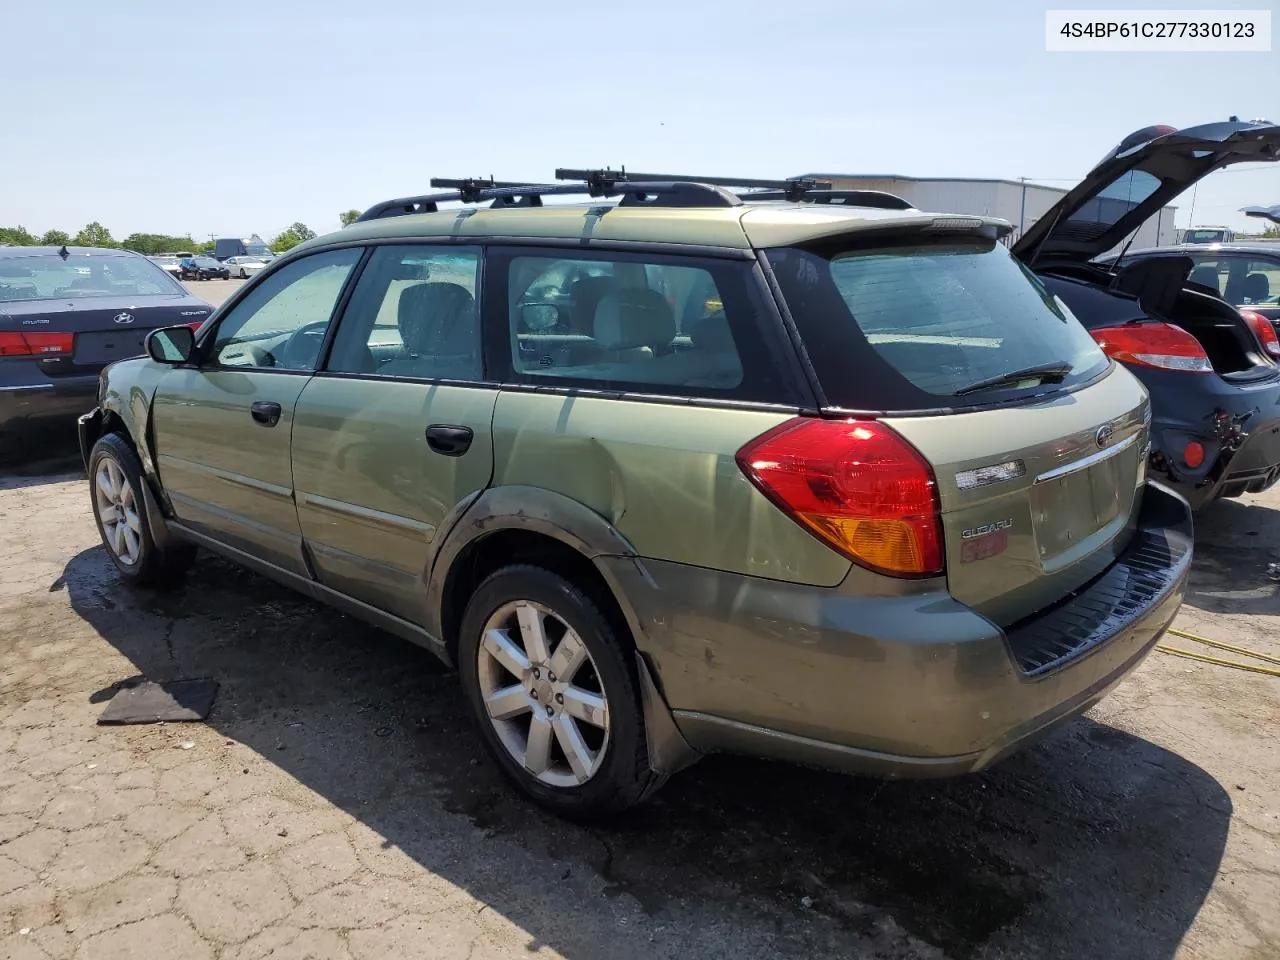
x: 206, y: 247
x: 296, y: 234
x: 17, y: 236
x: 348, y: 217
x: 1271, y: 233
x: 94, y: 235
x: 55, y: 238
x: 154, y: 243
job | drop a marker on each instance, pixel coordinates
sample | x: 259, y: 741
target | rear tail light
x: 857, y: 486
x: 1264, y: 331
x: 1160, y: 345
x: 1193, y: 454
x: 36, y: 344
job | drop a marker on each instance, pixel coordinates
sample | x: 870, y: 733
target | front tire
x: 552, y: 687
x: 116, y: 492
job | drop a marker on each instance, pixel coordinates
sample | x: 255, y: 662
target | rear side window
x: 637, y: 323
x: 920, y: 325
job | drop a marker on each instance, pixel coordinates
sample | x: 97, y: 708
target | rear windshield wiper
x: 1045, y: 373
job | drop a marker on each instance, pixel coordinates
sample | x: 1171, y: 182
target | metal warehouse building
x: 1020, y: 202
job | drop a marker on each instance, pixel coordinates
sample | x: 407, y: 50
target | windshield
x: 1205, y: 236
x: 939, y: 317
x: 50, y: 277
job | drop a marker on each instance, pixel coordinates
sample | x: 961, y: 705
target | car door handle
x: 451, y: 441
x: 266, y: 412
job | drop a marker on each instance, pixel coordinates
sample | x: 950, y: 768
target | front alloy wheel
x: 118, y: 512
x: 119, y: 506
x: 543, y: 695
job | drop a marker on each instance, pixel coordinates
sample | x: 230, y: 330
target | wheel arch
x: 520, y: 524
x: 513, y: 524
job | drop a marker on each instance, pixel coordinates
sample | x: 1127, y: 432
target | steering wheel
x: 302, y: 349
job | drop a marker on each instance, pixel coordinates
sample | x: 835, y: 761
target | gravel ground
x: 337, y: 804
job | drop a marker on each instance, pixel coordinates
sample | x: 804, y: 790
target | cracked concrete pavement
x: 337, y: 805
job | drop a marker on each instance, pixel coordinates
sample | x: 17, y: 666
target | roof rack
x: 634, y: 189
x: 848, y: 198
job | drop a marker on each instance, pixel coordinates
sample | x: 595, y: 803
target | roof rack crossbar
x: 607, y: 180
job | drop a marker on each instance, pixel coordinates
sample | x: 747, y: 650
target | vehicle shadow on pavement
x: 1094, y: 844
x: 1237, y: 541
x: 53, y: 458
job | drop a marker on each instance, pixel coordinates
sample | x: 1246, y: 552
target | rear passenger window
x: 628, y: 322
x: 413, y: 314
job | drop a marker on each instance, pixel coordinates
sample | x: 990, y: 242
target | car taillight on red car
x: 35, y: 344
x: 1264, y: 331
x: 1154, y: 344
x: 856, y: 485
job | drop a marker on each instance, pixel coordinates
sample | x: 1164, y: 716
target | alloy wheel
x: 543, y: 694
x: 118, y: 512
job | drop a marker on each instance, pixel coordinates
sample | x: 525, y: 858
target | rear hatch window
x: 923, y: 325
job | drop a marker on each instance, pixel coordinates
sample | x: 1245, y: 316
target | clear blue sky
x: 244, y: 117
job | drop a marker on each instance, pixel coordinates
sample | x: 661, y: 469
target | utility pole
x: 1022, y: 216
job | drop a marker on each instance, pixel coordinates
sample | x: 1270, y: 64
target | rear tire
x: 574, y: 743
x: 116, y: 492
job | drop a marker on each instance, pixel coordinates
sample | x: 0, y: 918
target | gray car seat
x: 438, y: 325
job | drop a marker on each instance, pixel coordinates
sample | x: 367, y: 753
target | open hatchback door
x: 1211, y: 371
x: 1148, y: 169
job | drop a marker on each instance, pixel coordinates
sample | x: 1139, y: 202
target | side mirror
x: 171, y: 345
x: 538, y: 317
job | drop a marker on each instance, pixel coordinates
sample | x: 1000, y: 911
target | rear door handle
x: 450, y: 441
x: 266, y: 412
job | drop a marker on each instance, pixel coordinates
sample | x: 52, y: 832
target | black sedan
x: 203, y: 268
x: 1214, y: 385
x: 65, y: 313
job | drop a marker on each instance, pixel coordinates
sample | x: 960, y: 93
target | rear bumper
x: 29, y: 400
x: 1237, y: 424
x: 909, y: 685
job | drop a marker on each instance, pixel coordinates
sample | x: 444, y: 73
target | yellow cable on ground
x: 1191, y: 655
x: 1205, y: 658
x: 1225, y: 646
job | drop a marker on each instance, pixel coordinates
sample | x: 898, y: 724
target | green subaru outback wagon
x: 795, y: 473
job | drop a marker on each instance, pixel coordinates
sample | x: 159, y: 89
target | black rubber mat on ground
x: 179, y: 700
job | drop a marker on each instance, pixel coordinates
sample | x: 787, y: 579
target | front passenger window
x: 281, y: 323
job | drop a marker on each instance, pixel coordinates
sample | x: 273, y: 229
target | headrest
x: 1257, y: 287
x: 1205, y: 276
x: 634, y: 317
x: 436, y: 317
x: 584, y: 297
